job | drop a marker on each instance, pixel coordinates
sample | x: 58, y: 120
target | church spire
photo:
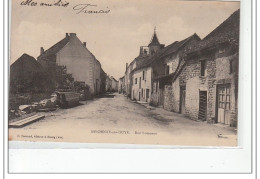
x: 154, y: 40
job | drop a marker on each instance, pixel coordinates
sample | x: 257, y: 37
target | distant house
x: 108, y: 84
x: 103, y: 76
x: 114, y: 84
x: 121, y: 85
x: 78, y: 60
x: 27, y: 75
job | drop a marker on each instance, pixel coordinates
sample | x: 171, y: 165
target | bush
x: 154, y: 104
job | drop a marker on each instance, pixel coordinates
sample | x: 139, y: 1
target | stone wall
x: 168, y: 98
x: 176, y: 95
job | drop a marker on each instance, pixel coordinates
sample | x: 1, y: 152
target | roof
x: 175, y: 47
x: 25, y: 67
x: 227, y: 31
x: 26, y: 62
x: 154, y: 40
x: 170, y: 49
x: 55, y: 48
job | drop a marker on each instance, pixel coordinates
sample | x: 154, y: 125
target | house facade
x: 114, y: 84
x: 78, y: 60
x: 166, y: 66
x: 142, y: 70
x: 209, y: 79
x: 141, y: 89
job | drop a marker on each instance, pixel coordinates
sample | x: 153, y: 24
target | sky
x: 114, y: 37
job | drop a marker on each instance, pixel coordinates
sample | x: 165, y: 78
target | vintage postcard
x: 160, y: 72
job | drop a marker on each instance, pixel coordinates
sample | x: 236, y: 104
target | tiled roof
x: 55, y: 48
x: 228, y: 31
x: 177, y: 45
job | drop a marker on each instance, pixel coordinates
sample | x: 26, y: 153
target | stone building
x: 204, y: 84
x: 78, y: 60
x: 208, y: 83
x: 165, y: 67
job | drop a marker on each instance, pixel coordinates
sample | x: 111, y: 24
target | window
x: 143, y: 75
x: 135, y: 80
x: 140, y: 83
x: 167, y: 69
x: 202, y: 68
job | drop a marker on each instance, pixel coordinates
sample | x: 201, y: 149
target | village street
x: 116, y: 119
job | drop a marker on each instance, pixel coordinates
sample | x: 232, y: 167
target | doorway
x: 223, y: 104
x: 147, y: 94
x: 203, y: 106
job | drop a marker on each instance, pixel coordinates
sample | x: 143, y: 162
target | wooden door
x: 147, y: 94
x: 223, y: 104
x: 203, y: 106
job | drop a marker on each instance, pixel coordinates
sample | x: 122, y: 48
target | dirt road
x: 116, y: 119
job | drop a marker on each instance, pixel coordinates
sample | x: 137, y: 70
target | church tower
x: 154, y: 45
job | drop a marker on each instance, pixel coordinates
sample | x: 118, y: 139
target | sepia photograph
x: 155, y: 72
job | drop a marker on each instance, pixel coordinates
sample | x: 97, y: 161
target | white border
x: 150, y: 160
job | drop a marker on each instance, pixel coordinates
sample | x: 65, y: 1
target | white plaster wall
x: 192, y: 97
x: 79, y: 62
x: 145, y: 84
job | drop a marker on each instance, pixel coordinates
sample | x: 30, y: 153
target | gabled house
x: 71, y: 53
x: 208, y: 83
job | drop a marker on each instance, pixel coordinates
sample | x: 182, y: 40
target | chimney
x: 84, y: 43
x: 42, y: 50
x: 73, y: 34
x: 126, y: 66
x: 141, y: 51
x: 67, y: 34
